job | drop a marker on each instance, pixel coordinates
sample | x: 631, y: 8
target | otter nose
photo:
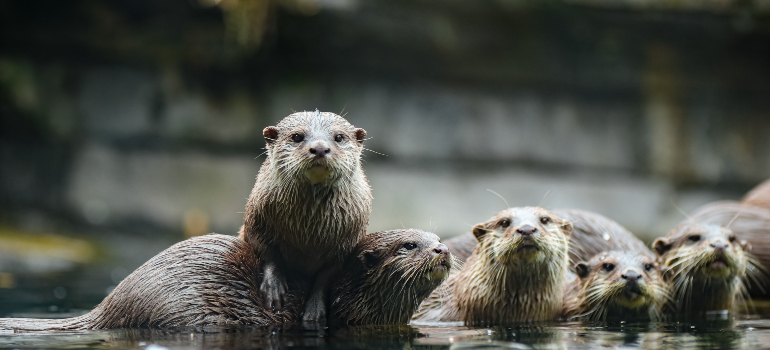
x: 719, y: 246
x: 441, y: 249
x: 320, y: 149
x: 527, y: 230
x: 631, y: 276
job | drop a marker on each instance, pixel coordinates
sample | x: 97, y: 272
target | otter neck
x: 708, y: 294
x: 530, y: 292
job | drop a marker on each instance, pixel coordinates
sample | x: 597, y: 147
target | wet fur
x: 382, y: 283
x: 598, y: 295
x: 202, y: 281
x: 497, y: 284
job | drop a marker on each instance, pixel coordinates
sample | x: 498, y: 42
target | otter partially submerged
x: 517, y: 272
x: 705, y: 266
x: 211, y: 280
x: 616, y: 285
x: 387, y: 276
x: 310, y: 204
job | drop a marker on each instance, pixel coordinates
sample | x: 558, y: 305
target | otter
x: 387, y: 276
x: 759, y: 196
x: 202, y: 281
x: 310, y: 205
x: 214, y: 280
x: 517, y: 272
x: 592, y: 233
x: 616, y: 285
x: 705, y: 266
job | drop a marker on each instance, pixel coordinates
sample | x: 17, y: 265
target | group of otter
x: 303, y: 257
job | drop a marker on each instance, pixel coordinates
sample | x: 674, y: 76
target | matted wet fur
x: 211, y: 280
x: 387, y: 276
x: 706, y: 267
x: 616, y: 286
x: 310, y: 204
x: 592, y: 233
x: 518, y: 272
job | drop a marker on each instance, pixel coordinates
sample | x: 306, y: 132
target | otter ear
x: 479, y: 231
x: 661, y: 245
x: 369, y: 259
x: 270, y: 133
x: 567, y: 228
x: 360, y: 134
x: 582, y: 269
x: 746, y: 246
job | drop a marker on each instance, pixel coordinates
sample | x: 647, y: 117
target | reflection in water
x: 746, y: 334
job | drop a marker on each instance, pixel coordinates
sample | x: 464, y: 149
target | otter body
x: 202, y: 281
x: 616, y: 285
x: 387, y: 276
x: 310, y: 204
x: 591, y: 234
x: 706, y: 265
x: 759, y: 196
x: 517, y: 272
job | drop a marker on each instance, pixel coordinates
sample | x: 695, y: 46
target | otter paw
x: 273, y: 288
x: 314, y: 315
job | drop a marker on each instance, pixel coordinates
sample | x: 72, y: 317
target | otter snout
x: 441, y: 249
x: 719, y: 246
x: 526, y: 230
x: 319, y: 149
x: 631, y: 276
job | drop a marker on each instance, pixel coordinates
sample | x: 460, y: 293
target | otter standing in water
x: 209, y: 280
x: 387, y: 276
x: 705, y: 266
x: 517, y: 272
x: 310, y: 204
x: 616, y: 285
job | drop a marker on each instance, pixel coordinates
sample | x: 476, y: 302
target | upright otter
x: 616, y: 285
x: 387, y: 276
x: 591, y: 234
x: 206, y: 280
x: 310, y: 204
x: 517, y: 272
x: 759, y: 196
x: 705, y: 266
x: 213, y: 280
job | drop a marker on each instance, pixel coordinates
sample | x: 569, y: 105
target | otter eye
x: 339, y: 138
x: 694, y: 238
x: 545, y: 220
x: 409, y: 246
x: 608, y: 267
x: 297, y: 138
x: 732, y: 239
x: 648, y: 267
x: 505, y: 223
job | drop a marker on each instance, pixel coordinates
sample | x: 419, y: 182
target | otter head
x: 389, y: 274
x: 523, y: 235
x: 705, y: 266
x: 316, y: 146
x: 706, y: 251
x: 621, y: 285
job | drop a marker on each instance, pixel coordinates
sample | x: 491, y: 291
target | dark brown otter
x: 759, y: 196
x: 705, y: 266
x: 387, y: 276
x: 207, y: 280
x: 310, y: 204
x: 517, y: 272
x: 591, y: 234
x: 616, y: 285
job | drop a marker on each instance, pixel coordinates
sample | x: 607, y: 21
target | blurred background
x: 129, y: 125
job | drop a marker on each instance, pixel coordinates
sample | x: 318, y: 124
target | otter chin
x: 616, y: 285
x: 318, y: 173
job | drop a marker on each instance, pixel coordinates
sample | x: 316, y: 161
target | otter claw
x: 273, y: 288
